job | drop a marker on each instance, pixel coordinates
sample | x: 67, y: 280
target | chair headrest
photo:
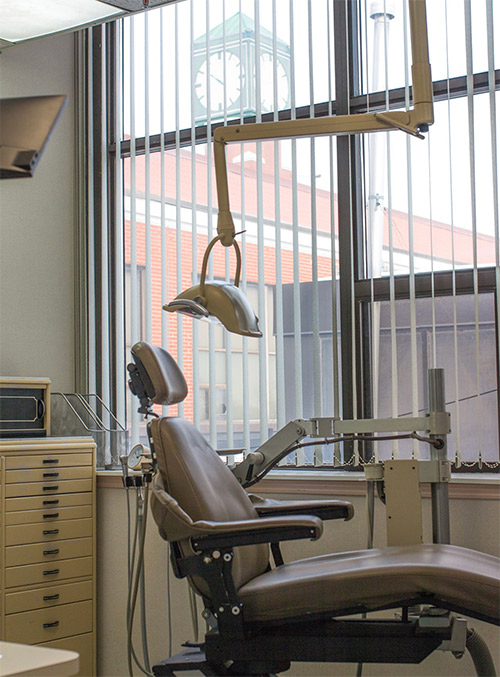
x: 163, y: 381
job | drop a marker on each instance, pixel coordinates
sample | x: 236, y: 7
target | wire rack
x: 76, y: 414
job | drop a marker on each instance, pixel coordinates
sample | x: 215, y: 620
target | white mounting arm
x: 413, y: 121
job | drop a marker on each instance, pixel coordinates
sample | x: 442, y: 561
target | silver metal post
x: 439, y: 490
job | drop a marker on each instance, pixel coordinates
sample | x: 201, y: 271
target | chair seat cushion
x: 369, y: 579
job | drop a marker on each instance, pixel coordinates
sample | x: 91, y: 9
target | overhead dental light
x: 22, y: 20
x: 218, y: 302
x: 414, y: 121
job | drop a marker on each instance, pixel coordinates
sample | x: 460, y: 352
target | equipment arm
x: 413, y: 121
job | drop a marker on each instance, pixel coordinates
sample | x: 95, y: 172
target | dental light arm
x: 414, y: 121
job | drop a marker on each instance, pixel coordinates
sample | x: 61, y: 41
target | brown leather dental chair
x: 265, y: 614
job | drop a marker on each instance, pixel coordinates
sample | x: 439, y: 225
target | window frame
x: 101, y: 46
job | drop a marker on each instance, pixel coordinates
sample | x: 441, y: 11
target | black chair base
x: 193, y: 658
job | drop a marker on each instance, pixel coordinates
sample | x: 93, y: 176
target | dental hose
x: 480, y: 654
x: 135, y: 587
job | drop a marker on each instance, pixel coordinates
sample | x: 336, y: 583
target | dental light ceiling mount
x: 414, y: 121
x: 218, y: 302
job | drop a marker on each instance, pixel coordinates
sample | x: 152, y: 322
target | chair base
x: 271, y: 649
x: 345, y: 641
x: 193, y: 658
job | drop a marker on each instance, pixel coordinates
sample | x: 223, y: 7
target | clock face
x: 231, y: 73
x: 267, y: 83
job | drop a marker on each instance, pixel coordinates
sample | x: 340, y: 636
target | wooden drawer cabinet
x: 50, y: 530
x: 48, y: 488
x: 48, y: 461
x: 17, y: 555
x: 42, y: 625
x: 47, y: 539
x: 48, y: 596
x: 48, y: 474
x: 47, y: 502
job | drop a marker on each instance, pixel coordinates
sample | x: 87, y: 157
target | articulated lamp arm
x: 414, y: 121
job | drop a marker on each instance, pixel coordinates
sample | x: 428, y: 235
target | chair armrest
x: 252, y: 532
x: 324, y: 509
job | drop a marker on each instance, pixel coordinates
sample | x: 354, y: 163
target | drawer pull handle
x: 55, y: 501
x: 50, y: 460
x: 50, y: 598
x: 47, y: 532
x: 50, y: 514
x: 50, y: 474
x: 51, y: 572
x: 51, y: 625
x: 53, y: 487
x: 51, y: 552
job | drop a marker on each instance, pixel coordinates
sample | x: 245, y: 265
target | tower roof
x: 231, y: 28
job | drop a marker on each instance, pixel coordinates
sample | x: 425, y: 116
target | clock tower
x: 234, y: 58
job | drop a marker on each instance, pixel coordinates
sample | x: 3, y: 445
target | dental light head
x: 221, y: 303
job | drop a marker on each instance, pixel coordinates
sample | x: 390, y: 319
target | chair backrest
x: 205, y: 489
x: 191, y: 471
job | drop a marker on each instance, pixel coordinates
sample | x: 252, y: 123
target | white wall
x: 37, y: 227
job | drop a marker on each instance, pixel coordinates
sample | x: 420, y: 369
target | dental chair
x: 261, y: 614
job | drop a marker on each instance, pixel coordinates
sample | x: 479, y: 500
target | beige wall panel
x: 37, y: 228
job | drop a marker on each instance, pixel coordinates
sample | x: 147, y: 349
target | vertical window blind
x: 424, y: 218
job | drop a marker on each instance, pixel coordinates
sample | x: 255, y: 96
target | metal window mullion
x: 349, y: 213
x: 100, y: 221
x: 278, y: 304
x: 244, y: 357
x: 212, y: 375
x: 163, y: 224
x: 494, y: 171
x: 261, y: 288
x: 454, y: 290
x: 297, y: 338
x: 392, y: 304
x: 91, y: 275
x: 472, y: 169
x: 133, y: 310
x: 118, y: 401
x: 194, y: 238
x: 84, y: 348
x: 229, y: 413
x: 147, y: 186
x: 180, y: 324
x: 413, y: 311
x: 316, y: 343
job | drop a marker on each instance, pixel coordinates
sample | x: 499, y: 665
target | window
x: 366, y: 259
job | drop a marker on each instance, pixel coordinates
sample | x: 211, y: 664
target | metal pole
x: 439, y: 490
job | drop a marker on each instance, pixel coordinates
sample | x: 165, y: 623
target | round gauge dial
x: 134, y: 458
x: 224, y: 69
x: 267, y: 83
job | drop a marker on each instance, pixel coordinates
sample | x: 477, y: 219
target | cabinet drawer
x: 48, y: 572
x: 48, y: 515
x: 47, y: 502
x: 48, y: 474
x: 33, y: 627
x: 47, y: 488
x: 46, y: 533
x: 47, y: 597
x: 17, y: 555
x: 47, y: 460
x: 82, y: 644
